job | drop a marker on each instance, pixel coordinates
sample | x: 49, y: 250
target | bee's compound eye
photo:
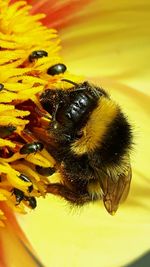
x: 56, y: 69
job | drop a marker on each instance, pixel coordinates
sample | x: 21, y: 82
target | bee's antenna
x: 68, y: 81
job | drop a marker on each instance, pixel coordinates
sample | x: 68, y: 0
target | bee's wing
x: 115, y: 189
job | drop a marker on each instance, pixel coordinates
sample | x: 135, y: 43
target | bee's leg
x: 72, y: 196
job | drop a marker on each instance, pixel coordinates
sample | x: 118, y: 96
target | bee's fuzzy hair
x: 107, y: 132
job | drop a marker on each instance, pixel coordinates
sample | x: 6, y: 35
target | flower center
x: 29, y: 64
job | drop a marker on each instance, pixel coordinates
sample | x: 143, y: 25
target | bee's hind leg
x: 65, y: 192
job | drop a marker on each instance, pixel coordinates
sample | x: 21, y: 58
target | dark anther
x: 37, y: 54
x: 56, y: 69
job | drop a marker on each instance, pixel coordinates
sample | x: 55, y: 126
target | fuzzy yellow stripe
x: 96, y: 127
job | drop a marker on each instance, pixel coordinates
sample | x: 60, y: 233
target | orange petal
x: 59, y: 14
x: 2, y: 256
x: 14, y: 247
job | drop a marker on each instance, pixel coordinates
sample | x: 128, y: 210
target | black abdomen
x: 116, y: 142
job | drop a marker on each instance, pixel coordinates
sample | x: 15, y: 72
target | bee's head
x: 71, y: 110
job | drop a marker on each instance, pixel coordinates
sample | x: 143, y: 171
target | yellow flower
x: 109, y: 43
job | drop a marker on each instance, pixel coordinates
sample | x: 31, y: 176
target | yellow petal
x: 111, y: 39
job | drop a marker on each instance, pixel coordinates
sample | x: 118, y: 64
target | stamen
x: 28, y: 66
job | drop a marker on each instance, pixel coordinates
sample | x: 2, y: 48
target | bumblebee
x: 90, y: 139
